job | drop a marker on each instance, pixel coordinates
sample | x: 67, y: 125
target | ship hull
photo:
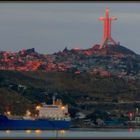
x: 7, y: 124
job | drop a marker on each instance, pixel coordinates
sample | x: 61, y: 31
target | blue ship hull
x: 8, y: 124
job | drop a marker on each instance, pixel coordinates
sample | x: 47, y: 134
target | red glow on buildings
x: 76, y: 48
x: 33, y: 65
x: 77, y: 72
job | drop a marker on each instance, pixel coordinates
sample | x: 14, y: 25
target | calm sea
x: 74, y: 133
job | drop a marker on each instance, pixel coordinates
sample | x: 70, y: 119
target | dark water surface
x: 73, y: 133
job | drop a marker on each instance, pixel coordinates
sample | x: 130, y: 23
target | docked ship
x: 49, y: 117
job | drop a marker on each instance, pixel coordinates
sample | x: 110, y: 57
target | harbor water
x: 72, y: 133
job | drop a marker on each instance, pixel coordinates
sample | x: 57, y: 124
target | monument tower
x: 107, y: 39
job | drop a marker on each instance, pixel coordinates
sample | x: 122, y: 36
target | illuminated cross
x: 107, y: 39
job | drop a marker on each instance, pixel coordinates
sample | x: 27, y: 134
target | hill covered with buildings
x: 118, y: 61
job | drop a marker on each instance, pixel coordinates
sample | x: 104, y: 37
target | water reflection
x: 38, y: 131
x: 7, y: 131
x: 28, y: 131
x: 130, y: 129
x: 62, y: 132
x: 98, y: 133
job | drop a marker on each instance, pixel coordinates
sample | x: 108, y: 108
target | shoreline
x: 79, y: 129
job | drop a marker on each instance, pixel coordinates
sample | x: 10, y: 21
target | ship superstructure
x: 56, y: 111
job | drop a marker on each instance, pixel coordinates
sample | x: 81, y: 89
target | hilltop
x: 114, y: 60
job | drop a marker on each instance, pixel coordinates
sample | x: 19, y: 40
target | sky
x: 51, y: 26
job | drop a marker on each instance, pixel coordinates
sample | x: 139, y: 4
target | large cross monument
x: 107, y: 39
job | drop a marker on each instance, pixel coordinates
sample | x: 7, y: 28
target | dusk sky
x: 50, y: 27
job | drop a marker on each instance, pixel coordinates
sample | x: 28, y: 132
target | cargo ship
x: 49, y: 117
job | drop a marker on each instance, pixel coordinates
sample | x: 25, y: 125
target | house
x: 80, y: 115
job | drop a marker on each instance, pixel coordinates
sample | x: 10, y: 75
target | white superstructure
x: 56, y: 111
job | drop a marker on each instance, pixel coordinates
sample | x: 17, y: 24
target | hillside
x: 14, y: 102
x: 91, y: 80
x: 83, y: 92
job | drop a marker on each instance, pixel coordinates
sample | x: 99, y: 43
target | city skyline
x: 50, y: 27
